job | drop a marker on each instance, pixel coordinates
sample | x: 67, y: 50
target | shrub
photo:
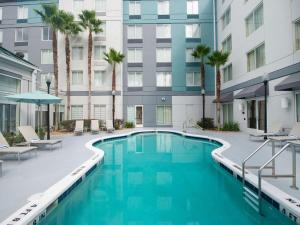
x: 41, y: 133
x: 231, y: 126
x: 13, y: 138
x: 118, y: 124
x: 129, y: 125
x: 208, y: 123
x: 68, y: 125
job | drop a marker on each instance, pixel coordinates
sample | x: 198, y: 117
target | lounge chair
x: 78, y: 127
x: 95, y: 126
x: 5, y: 149
x: 293, y: 135
x: 109, y: 126
x: 32, y: 138
x: 275, y: 130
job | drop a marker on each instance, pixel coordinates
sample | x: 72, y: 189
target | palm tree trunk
x: 90, y: 49
x: 218, y: 100
x: 67, y: 51
x: 203, y: 87
x: 113, y: 89
x: 55, y: 64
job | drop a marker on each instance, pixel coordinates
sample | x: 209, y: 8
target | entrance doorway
x: 138, y: 116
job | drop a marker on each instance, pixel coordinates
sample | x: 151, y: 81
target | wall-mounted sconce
x: 285, y: 103
x: 163, y: 99
x: 241, y: 107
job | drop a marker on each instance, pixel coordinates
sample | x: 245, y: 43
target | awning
x: 257, y: 90
x: 227, y: 97
x: 291, y: 83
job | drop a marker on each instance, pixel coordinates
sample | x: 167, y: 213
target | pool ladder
x: 253, y: 195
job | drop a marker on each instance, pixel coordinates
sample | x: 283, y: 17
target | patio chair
x: 32, y: 138
x: 293, y: 135
x: 5, y: 149
x: 109, y: 126
x: 78, y: 127
x: 95, y: 126
x: 276, y: 129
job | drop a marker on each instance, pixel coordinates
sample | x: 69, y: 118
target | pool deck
x: 36, y: 174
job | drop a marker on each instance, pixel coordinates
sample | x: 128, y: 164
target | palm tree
x: 70, y: 28
x: 113, y: 58
x: 217, y: 59
x: 89, y: 21
x: 200, y: 52
x: 50, y: 16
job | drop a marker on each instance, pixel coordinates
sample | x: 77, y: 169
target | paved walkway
x: 36, y: 174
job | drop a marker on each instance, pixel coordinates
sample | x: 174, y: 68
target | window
x: 100, y: 5
x: 227, y: 113
x: 192, y: 31
x: 226, y: 18
x: 227, y: 73
x: 188, y: 56
x: 21, y: 35
x: 1, y: 9
x: 134, y: 8
x: 78, y: 6
x: 163, y: 79
x: 77, y: 112
x: 22, y: 13
x: 99, y: 51
x: 164, y: 115
x: 227, y: 44
x: 298, y: 106
x: 77, y: 77
x: 1, y: 36
x: 99, y: 77
x: 193, y: 79
x: 134, y: 32
x: 100, y: 112
x: 297, y: 34
x: 163, y: 31
x: 255, y: 20
x: 135, y: 55
x: 46, y: 56
x: 256, y: 58
x: 163, y: 55
x: 46, y: 34
x: 135, y: 79
x: 77, y: 53
x: 163, y: 7
x: 192, y: 7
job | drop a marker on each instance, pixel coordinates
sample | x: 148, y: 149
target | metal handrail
x: 249, y: 157
x: 260, y: 172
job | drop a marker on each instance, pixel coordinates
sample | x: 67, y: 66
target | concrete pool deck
x: 36, y: 174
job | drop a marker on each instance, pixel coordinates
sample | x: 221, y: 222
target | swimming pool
x: 159, y: 178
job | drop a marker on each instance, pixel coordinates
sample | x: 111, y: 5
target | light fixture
x: 285, y: 102
x: 203, y: 91
x: 241, y: 106
x: 163, y: 99
x: 113, y: 92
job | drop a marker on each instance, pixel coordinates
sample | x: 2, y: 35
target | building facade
x: 263, y: 40
x: 161, y: 84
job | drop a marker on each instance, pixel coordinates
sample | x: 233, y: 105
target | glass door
x: 139, y: 116
x: 251, y: 114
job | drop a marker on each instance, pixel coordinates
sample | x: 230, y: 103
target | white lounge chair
x: 32, y: 138
x: 276, y: 129
x: 109, y: 126
x: 95, y: 126
x: 293, y: 135
x: 5, y: 149
x: 78, y: 127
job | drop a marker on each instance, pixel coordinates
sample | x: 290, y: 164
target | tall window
x: 255, y: 19
x: 227, y: 113
x: 227, y: 73
x: 188, y: 56
x: 100, y: 5
x: 164, y: 115
x: 46, y: 56
x: 298, y: 106
x: 77, y: 53
x: 192, y: 7
x: 193, y: 79
x: 163, y: 79
x: 192, y: 30
x: 135, y: 79
x: 22, y: 13
x: 21, y: 35
x: 77, y: 112
x: 99, y: 78
x: 163, y: 31
x: 134, y: 32
x: 1, y: 37
x: 163, y: 7
x: 163, y: 55
x: 297, y: 34
x: 134, y: 8
x: 135, y: 55
x: 99, y: 51
x: 100, y: 112
x: 256, y: 58
x: 227, y: 44
x: 77, y: 77
x: 46, y: 34
x: 78, y: 6
x: 226, y: 18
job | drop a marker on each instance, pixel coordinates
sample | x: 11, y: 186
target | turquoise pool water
x: 159, y: 179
